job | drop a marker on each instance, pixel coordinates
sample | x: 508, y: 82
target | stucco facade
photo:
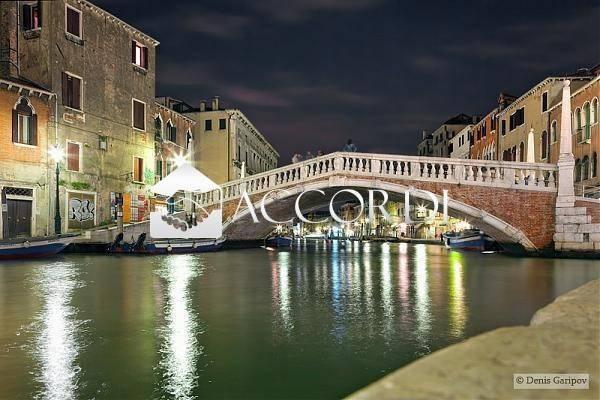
x: 460, y: 144
x: 225, y: 139
x: 105, y: 99
x: 26, y: 184
x: 530, y: 112
x: 585, y: 130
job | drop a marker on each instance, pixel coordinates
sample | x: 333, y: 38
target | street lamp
x: 179, y: 160
x: 57, y: 155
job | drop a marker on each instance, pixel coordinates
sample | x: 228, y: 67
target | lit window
x: 24, y: 124
x: 32, y: 18
x: 139, y: 54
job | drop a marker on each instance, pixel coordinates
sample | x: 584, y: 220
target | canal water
x: 317, y: 322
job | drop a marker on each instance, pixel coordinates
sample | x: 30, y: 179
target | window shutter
x: 26, y: 17
x: 145, y: 57
x: 39, y: 8
x: 133, y: 45
x: 33, y: 130
x: 15, y: 126
x: 65, y: 91
x: 77, y: 93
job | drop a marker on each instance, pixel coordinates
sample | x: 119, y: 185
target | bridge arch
x: 280, y: 206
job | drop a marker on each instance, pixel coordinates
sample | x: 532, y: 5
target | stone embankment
x: 563, y: 337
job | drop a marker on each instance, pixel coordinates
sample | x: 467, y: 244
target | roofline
x: 175, y: 112
x: 539, y: 85
x: 118, y: 21
x: 581, y: 89
x: 233, y: 110
x: 27, y: 87
x: 495, y: 110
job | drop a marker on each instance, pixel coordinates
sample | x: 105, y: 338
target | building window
x: 517, y: 118
x: 594, y: 111
x: 171, y: 132
x: 544, y: 145
x: 159, y: 169
x: 585, y: 168
x: 74, y: 156
x: 188, y: 139
x: 521, y: 152
x: 138, y: 169
x: 208, y: 125
x: 544, y: 101
x: 138, y: 113
x: 587, y: 121
x: 553, y: 137
x: 24, y: 123
x: 222, y: 124
x: 503, y: 127
x: 71, y: 91
x: 594, y: 167
x: 157, y: 128
x: 32, y: 17
x: 577, y: 170
x: 139, y: 54
x: 73, y: 21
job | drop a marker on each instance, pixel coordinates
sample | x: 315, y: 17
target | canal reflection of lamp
x: 180, y: 348
x: 422, y: 294
x: 56, y: 346
x: 457, y: 309
x: 57, y: 154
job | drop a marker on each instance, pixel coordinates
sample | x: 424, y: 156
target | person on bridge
x: 296, y: 158
x: 350, y: 147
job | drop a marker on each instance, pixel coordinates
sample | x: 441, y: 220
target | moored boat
x: 278, y: 241
x: 469, y: 239
x: 34, y: 247
x: 174, y: 246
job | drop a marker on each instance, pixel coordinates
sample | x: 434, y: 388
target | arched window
x: 587, y: 121
x: 577, y: 170
x: 553, y: 132
x: 171, y: 132
x: 544, y: 145
x: 521, y: 152
x: 24, y: 123
x: 158, y: 126
x: 594, y: 167
x: 188, y: 139
x: 585, y: 168
x: 594, y: 111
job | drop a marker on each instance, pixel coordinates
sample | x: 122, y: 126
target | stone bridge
x: 513, y: 202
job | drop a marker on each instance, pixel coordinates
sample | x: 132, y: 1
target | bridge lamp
x: 57, y: 154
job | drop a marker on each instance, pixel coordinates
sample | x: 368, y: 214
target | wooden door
x: 19, y: 218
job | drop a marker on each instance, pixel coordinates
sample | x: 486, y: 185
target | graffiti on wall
x: 82, y: 210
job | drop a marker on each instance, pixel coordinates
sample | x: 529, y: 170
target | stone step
x: 571, y: 211
x: 573, y: 219
x: 565, y: 246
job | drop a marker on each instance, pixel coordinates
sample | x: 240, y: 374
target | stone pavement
x: 563, y: 337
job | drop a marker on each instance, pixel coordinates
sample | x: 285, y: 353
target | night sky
x: 311, y: 73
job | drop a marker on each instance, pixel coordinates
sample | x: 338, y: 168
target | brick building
x: 25, y: 180
x: 102, y: 72
x: 586, y: 133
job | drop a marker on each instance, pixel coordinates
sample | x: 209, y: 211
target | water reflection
x: 180, y: 349
x: 386, y: 289
x: 59, y: 332
x: 457, y: 308
x: 422, y: 298
x: 280, y: 284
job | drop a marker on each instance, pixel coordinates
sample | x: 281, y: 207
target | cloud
x: 298, y: 10
x: 256, y: 97
x: 216, y: 24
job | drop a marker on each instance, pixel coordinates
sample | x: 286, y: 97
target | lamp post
x: 57, y: 155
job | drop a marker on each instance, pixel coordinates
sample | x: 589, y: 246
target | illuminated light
x: 283, y: 260
x: 56, y: 153
x: 386, y: 289
x: 179, y: 160
x: 403, y: 248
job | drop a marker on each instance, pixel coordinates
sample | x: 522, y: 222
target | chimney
x: 424, y: 134
x: 9, y: 42
x: 202, y: 106
x: 215, y: 103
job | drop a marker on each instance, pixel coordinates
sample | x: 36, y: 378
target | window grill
x: 14, y: 191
